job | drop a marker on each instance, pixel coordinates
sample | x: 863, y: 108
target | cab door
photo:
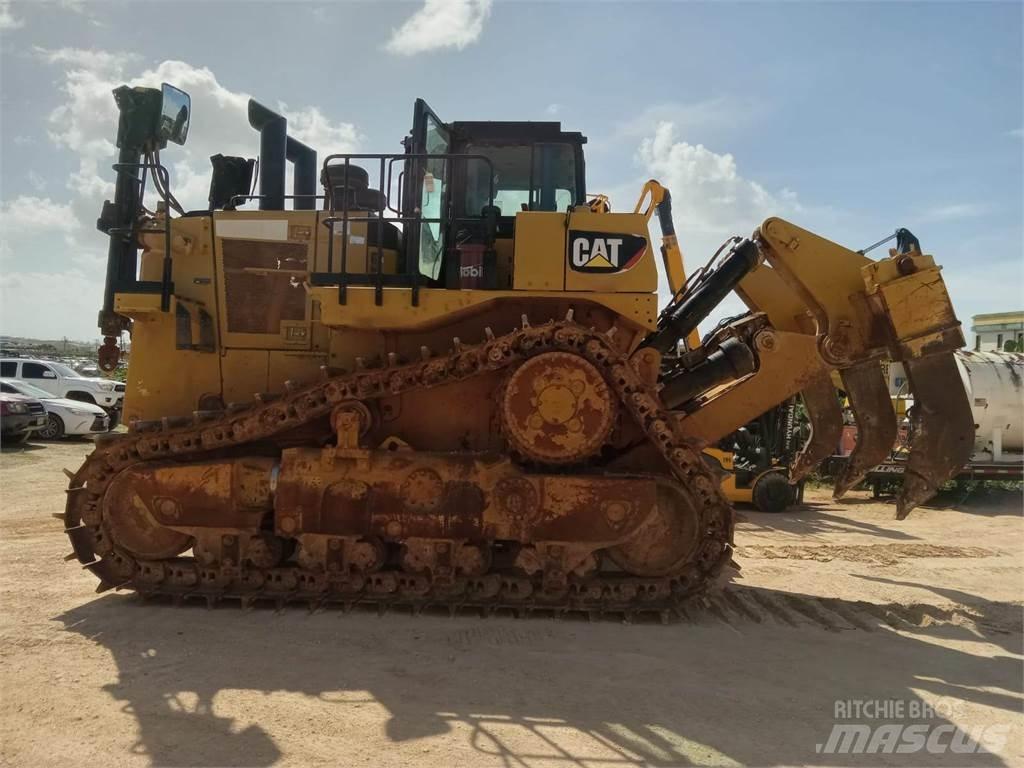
x: 426, y: 191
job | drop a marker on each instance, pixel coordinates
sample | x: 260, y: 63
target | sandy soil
x: 835, y: 602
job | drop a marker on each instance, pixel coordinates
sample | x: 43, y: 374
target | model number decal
x: 604, y: 252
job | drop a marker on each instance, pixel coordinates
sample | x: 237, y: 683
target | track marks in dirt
x: 876, y: 554
x: 739, y: 607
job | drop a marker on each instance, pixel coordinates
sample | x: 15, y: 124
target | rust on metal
x: 557, y: 409
x: 942, y: 430
x: 868, y: 391
x: 825, y: 419
x: 448, y: 512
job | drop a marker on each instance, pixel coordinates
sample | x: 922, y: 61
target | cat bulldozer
x: 442, y: 378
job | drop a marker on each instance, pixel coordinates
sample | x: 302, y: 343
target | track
x: 602, y: 592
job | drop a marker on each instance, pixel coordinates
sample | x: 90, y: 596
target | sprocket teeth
x: 525, y: 321
x: 69, y: 557
x: 58, y: 515
x: 68, y: 473
x: 457, y: 345
x: 291, y: 386
x: 488, y: 333
x: 569, y: 314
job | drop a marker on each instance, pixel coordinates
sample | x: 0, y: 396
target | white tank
x: 995, y: 388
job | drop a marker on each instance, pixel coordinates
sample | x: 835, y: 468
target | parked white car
x: 63, y: 416
x: 61, y: 381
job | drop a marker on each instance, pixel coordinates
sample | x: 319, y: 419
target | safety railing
x: 410, y: 217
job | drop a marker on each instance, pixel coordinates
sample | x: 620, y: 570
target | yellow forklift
x: 756, y: 459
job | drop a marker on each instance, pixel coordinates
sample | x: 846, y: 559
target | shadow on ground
x: 743, y: 687
x: 811, y: 517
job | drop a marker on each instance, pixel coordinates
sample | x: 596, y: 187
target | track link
x: 601, y: 593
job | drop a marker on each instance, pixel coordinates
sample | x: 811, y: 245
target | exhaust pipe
x: 276, y: 149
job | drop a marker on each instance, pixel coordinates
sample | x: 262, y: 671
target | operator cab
x: 506, y: 167
x: 472, y: 180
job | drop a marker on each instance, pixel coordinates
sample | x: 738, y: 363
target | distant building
x: 993, y: 330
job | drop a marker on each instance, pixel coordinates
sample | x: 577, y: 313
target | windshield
x: 63, y: 370
x: 538, y: 177
x: 28, y: 389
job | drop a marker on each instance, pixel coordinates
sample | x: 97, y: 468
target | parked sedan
x: 20, y: 417
x: 63, y: 416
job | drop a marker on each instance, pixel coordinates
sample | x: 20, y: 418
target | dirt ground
x: 836, y: 603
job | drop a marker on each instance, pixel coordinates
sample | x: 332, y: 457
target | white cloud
x: 440, y: 24
x: 553, y: 109
x: 86, y: 124
x: 708, y: 193
x: 312, y: 127
x: 1017, y: 133
x: 37, y: 232
x: 711, y: 201
x: 26, y: 214
x: 7, y: 19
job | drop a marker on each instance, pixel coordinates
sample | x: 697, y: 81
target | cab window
x: 36, y: 371
x: 537, y: 177
x: 7, y: 389
x: 431, y: 200
x: 9, y: 369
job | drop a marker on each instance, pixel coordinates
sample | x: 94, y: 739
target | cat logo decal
x: 604, y: 252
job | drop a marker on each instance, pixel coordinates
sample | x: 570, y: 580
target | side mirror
x: 175, y: 109
x: 49, y: 375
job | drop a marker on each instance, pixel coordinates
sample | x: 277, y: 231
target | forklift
x: 755, y: 459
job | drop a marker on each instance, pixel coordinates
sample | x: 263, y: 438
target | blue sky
x: 849, y: 119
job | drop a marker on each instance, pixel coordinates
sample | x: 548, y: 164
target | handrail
x: 385, y: 178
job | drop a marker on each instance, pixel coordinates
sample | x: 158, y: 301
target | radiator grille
x: 263, y: 284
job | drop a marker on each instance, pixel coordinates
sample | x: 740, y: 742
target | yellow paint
x: 438, y: 306
x: 642, y: 277
x: 539, y: 255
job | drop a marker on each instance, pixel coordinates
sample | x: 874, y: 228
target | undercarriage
x: 220, y: 508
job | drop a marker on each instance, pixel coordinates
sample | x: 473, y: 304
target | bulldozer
x: 442, y: 378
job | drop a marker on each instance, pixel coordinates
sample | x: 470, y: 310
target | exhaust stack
x: 277, y: 148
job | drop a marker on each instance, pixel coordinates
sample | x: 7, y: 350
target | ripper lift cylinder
x: 731, y: 361
x: 697, y: 304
